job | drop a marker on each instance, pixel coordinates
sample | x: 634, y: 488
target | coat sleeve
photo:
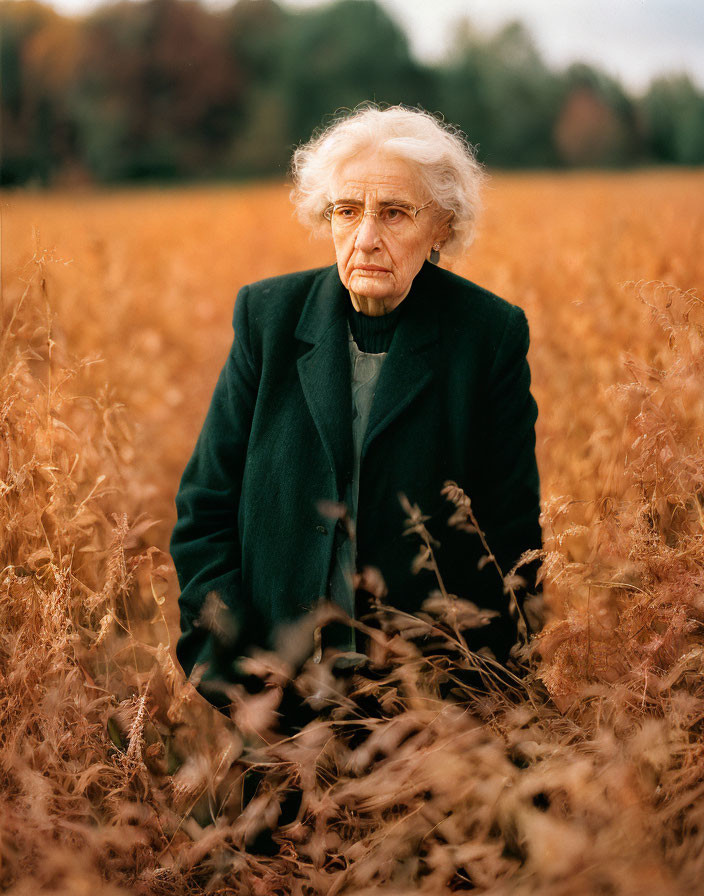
x: 215, y: 616
x: 507, y: 505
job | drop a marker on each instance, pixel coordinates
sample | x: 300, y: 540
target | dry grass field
x: 118, y: 778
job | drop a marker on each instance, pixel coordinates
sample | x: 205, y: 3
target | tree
x: 597, y: 122
x: 256, y: 33
x: 343, y: 54
x: 159, y: 94
x: 673, y: 110
x: 499, y: 91
x: 38, y: 56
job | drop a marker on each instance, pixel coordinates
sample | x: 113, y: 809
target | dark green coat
x: 453, y: 402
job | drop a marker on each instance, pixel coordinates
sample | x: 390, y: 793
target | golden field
x: 116, y: 314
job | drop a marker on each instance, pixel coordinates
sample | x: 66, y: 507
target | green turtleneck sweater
x: 373, y: 334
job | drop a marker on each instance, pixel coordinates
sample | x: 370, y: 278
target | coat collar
x: 324, y: 370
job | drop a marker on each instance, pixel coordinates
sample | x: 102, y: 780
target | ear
x: 443, y: 228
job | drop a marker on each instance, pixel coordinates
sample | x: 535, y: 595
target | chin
x: 370, y: 287
x: 371, y: 296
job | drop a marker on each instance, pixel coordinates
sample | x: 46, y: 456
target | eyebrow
x: 404, y: 203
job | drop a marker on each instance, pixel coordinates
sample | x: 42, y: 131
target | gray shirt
x: 365, y: 369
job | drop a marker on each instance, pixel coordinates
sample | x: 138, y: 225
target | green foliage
x: 673, y: 109
x: 36, y: 129
x: 158, y: 94
x: 597, y: 122
x: 500, y: 93
x: 166, y: 89
x: 340, y: 55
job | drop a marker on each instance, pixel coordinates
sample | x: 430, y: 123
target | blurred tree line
x: 167, y: 89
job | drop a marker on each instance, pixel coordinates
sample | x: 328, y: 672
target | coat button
x: 321, y: 529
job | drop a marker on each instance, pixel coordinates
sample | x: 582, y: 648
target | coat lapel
x: 409, y: 366
x: 324, y: 370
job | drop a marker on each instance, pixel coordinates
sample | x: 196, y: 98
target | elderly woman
x: 379, y: 376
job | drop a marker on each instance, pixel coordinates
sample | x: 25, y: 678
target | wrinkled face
x: 378, y: 255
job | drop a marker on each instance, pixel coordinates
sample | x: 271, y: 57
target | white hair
x: 441, y: 153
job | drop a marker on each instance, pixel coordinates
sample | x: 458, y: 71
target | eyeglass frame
x: 407, y: 206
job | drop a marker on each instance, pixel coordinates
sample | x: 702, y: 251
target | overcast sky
x: 631, y: 39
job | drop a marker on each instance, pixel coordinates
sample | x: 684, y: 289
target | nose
x: 367, y: 237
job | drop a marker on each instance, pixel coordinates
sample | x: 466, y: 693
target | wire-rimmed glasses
x: 396, y: 217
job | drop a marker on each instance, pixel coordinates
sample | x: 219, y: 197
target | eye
x: 395, y: 214
x: 346, y: 213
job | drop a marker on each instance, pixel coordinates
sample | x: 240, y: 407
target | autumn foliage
x: 584, y: 777
x: 167, y: 90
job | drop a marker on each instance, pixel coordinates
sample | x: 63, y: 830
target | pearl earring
x: 435, y: 253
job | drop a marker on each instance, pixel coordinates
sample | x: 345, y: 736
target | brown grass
x: 117, y: 777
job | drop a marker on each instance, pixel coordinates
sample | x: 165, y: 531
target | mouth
x: 371, y: 269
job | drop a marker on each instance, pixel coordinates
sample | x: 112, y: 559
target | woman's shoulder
x: 273, y: 305
x: 286, y: 285
x: 462, y: 301
x: 474, y: 322
x: 476, y: 325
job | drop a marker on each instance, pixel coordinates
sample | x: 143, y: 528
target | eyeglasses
x: 394, y: 217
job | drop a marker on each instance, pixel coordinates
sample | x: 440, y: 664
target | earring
x: 435, y: 253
